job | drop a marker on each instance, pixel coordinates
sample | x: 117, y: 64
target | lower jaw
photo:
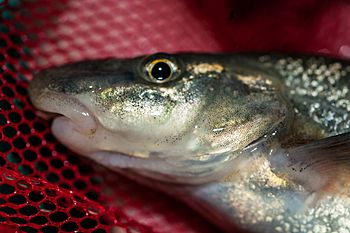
x: 72, y: 136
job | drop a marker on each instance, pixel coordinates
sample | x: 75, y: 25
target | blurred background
x: 46, y: 188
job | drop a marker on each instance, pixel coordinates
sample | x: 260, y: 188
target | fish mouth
x: 53, y: 105
x: 47, y: 115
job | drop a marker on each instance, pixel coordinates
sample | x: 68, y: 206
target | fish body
x: 255, y: 141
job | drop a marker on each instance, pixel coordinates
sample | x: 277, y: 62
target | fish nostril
x: 64, y: 86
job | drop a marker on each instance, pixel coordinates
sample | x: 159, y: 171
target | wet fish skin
x: 221, y: 134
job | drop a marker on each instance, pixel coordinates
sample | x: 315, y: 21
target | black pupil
x: 161, y: 71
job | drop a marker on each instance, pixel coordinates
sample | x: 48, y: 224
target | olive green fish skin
x: 207, y: 135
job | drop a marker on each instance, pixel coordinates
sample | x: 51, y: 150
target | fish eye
x: 160, y: 69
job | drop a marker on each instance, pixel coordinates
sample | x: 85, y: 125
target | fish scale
x: 318, y: 88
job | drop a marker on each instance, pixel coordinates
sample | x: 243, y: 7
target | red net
x: 46, y: 188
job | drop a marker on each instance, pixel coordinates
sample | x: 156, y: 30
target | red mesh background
x: 46, y: 188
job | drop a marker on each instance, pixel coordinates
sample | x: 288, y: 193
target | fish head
x: 179, y: 118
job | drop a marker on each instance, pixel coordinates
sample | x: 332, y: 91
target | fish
x: 255, y: 141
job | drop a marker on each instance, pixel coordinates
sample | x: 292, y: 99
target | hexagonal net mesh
x: 45, y: 187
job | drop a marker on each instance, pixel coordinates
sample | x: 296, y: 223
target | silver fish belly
x: 253, y: 141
